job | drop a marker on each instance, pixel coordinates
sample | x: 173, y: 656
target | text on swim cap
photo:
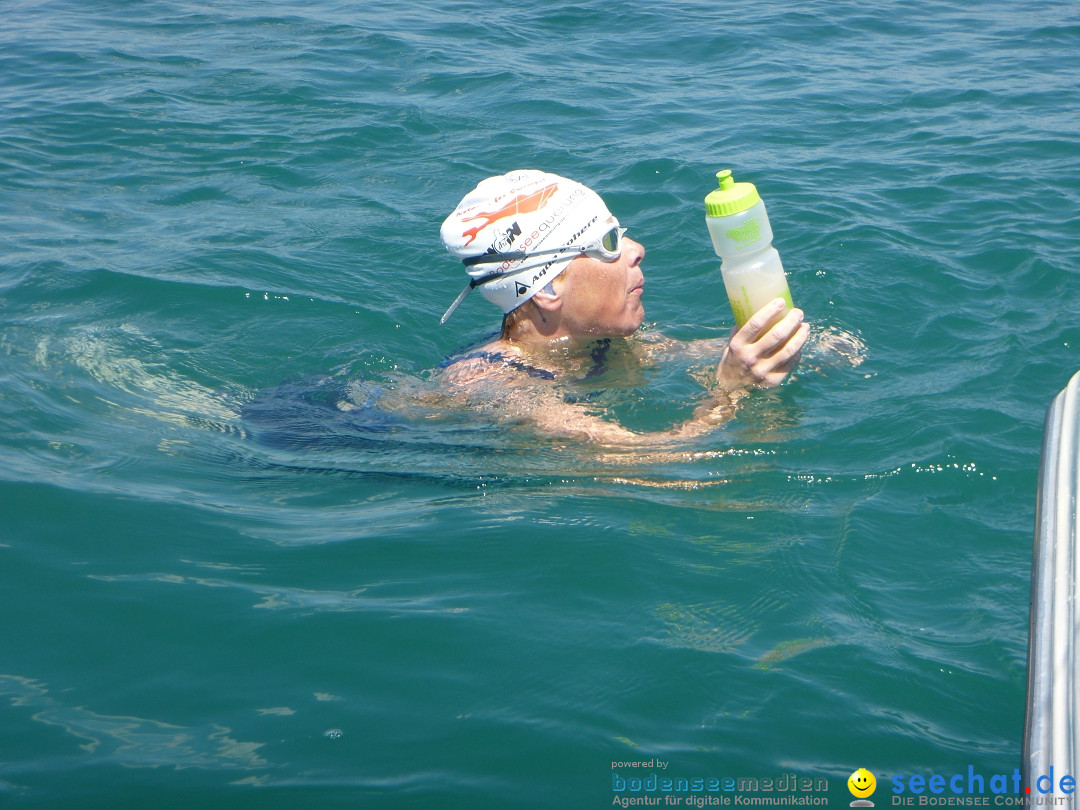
x: 534, y: 239
x: 543, y: 270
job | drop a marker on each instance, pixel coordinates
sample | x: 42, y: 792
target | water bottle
x: 742, y: 237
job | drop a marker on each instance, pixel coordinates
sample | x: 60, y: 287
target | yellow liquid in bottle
x: 754, y: 282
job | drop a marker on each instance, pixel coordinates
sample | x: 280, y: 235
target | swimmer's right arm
x: 554, y: 416
x: 572, y: 422
x: 499, y: 390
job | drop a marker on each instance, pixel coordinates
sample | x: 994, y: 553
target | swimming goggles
x: 607, y: 248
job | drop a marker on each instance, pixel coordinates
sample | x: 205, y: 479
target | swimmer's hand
x: 759, y: 356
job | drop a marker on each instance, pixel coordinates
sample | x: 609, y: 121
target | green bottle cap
x: 731, y: 197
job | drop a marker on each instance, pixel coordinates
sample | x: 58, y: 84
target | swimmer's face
x: 603, y: 299
x: 861, y: 783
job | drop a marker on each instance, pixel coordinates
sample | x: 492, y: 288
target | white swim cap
x: 509, y: 218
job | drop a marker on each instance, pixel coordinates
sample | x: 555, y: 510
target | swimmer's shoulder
x: 492, y: 361
x: 472, y: 367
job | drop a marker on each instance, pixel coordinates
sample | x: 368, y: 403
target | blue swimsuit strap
x: 499, y: 357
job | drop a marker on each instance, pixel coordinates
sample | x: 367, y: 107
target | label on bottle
x: 746, y: 234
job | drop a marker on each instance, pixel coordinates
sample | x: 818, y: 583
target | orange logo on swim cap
x: 521, y: 204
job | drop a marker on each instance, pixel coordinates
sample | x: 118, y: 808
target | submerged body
x: 555, y: 390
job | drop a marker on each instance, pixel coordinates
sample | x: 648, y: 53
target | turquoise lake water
x: 219, y: 590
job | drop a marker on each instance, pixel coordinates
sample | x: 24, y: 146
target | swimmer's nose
x: 635, y: 251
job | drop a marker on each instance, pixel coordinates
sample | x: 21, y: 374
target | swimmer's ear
x: 547, y: 299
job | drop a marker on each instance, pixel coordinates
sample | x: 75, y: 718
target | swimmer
x: 569, y: 282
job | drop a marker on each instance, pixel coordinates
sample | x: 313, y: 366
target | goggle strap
x: 457, y: 302
x: 490, y: 258
x: 476, y: 282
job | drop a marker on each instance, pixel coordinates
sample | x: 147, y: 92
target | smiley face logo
x: 861, y: 783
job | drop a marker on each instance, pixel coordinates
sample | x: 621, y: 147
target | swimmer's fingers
x: 757, y: 339
x: 781, y: 334
x: 756, y: 328
x: 761, y: 356
x: 786, y: 357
